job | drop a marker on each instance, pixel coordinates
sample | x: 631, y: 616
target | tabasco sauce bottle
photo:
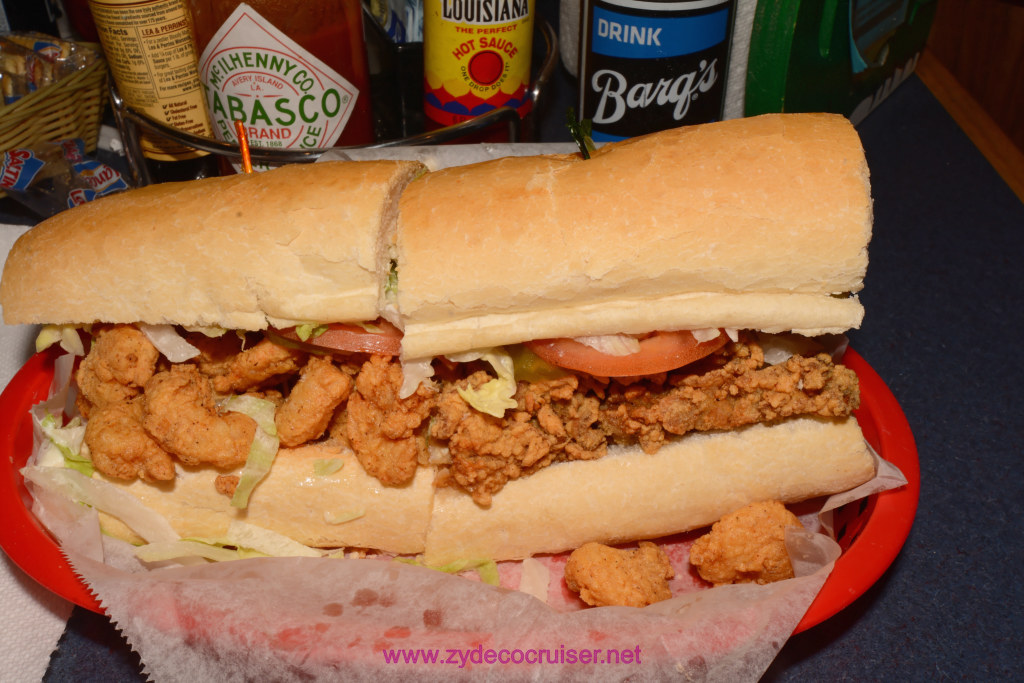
x: 293, y: 71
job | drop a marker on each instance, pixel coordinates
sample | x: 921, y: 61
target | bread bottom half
x: 627, y: 495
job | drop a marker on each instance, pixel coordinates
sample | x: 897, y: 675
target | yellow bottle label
x: 476, y: 57
x: 149, y: 48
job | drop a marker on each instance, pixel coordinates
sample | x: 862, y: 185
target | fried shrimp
x: 254, y: 366
x: 743, y: 391
x: 121, y: 448
x: 486, y: 452
x: 307, y: 411
x: 567, y: 418
x: 120, y: 362
x: 746, y: 546
x: 382, y: 428
x: 603, y: 575
x: 180, y: 414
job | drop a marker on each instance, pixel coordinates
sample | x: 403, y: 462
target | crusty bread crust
x: 299, y: 243
x: 295, y: 501
x: 689, y: 483
x: 628, y: 495
x: 766, y: 218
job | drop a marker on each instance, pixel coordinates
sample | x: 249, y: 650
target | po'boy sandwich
x: 557, y: 351
x: 644, y: 274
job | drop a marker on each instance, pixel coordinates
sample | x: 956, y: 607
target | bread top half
x: 296, y: 244
x: 759, y: 223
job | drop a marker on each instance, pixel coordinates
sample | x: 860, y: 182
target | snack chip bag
x: 54, y: 176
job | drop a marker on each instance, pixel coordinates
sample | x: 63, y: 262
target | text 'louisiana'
x: 484, y: 11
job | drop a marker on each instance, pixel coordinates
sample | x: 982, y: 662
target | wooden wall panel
x: 981, y: 43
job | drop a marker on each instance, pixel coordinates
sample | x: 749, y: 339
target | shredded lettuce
x: 612, y: 344
x: 391, y: 287
x: 252, y: 537
x: 342, y: 517
x: 168, y: 342
x: 414, y: 372
x: 495, y: 396
x: 307, y: 331
x: 211, y: 331
x: 370, y: 327
x: 175, y: 550
x: 64, y: 445
x: 705, y: 334
x: 105, y: 497
x: 60, y: 401
x: 486, y: 569
x: 65, y: 335
x: 264, y: 445
x: 324, y: 467
x: 241, y: 541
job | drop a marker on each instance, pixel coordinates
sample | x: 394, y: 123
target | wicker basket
x: 70, y: 108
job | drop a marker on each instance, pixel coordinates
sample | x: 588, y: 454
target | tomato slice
x: 659, y: 352
x: 380, y: 337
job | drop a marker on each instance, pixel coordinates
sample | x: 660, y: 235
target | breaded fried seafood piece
x: 181, y: 415
x: 254, y: 366
x: 383, y: 429
x: 603, y: 575
x: 307, y: 411
x: 746, y: 546
x: 121, y: 448
x: 118, y: 365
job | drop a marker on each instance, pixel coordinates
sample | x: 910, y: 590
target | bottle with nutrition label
x: 148, y: 46
x: 649, y: 65
x: 294, y: 72
x: 476, y: 58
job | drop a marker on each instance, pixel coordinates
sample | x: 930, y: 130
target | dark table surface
x: 943, y: 297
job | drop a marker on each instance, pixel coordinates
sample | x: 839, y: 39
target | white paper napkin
x: 35, y: 618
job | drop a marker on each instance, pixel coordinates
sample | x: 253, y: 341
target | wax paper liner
x: 300, y: 619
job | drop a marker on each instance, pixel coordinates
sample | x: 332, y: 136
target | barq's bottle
x: 476, y: 58
x: 293, y: 71
x: 148, y: 46
x: 651, y: 65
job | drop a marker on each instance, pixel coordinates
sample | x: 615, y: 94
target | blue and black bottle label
x: 648, y: 65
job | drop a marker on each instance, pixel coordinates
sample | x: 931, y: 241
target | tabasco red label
x: 284, y: 95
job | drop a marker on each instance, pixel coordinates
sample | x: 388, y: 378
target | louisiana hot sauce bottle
x: 293, y: 71
x: 476, y: 58
x: 650, y: 65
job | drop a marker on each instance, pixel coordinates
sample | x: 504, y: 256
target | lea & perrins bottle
x: 293, y: 71
x: 476, y: 58
x: 653, y: 64
x: 148, y: 46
